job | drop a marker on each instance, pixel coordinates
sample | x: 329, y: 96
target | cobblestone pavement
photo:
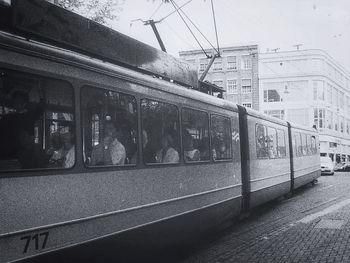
x: 312, y: 226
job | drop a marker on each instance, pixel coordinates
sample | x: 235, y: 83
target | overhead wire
x: 199, y: 30
x: 216, y: 31
x: 179, y: 8
x: 161, y: 3
x: 172, y: 1
x: 179, y: 36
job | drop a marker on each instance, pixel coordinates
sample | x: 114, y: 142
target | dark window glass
x: 160, y: 132
x: 195, y: 135
x: 262, y: 150
x: 109, y: 127
x: 281, y: 140
x: 36, y: 122
x: 221, y: 137
x: 272, y: 142
x: 304, y: 144
x: 235, y: 139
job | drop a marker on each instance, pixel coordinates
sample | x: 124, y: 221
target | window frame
x: 284, y: 141
x: 69, y: 85
x: 234, y: 86
x: 230, y: 159
x: 245, y: 86
x: 182, y: 137
x: 277, y: 130
x: 142, y: 160
x: 233, y: 62
x: 256, y: 141
x: 103, y: 88
x: 245, y: 64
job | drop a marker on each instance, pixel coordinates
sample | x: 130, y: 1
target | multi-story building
x: 236, y: 71
x: 310, y: 88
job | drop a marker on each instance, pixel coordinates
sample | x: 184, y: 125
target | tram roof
x: 52, y: 24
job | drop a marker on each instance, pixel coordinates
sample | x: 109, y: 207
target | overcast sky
x: 317, y: 24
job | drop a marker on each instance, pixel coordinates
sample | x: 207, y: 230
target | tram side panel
x: 63, y: 203
x: 269, y: 162
x: 306, y: 156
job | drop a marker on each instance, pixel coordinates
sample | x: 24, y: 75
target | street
x: 311, y: 226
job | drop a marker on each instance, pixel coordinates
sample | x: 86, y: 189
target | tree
x: 100, y: 11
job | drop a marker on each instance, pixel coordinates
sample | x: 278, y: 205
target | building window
x: 203, y: 63
x: 247, y: 104
x: 336, y: 121
x: 319, y: 118
x: 95, y: 129
x: 318, y: 87
x: 217, y: 65
x: 246, y: 62
x: 342, y: 124
x: 329, y: 93
x: 232, y: 86
x: 231, y: 62
x: 329, y: 120
x: 246, y: 86
x: 272, y: 95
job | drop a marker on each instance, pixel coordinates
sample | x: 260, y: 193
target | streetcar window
x: 160, y: 132
x: 308, y: 145
x: 294, y: 147
x: 36, y: 122
x: 261, y: 141
x: 298, y: 145
x: 303, y: 143
x: 272, y: 142
x: 109, y: 127
x: 195, y: 135
x: 281, y: 141
x: 221, y: 137
x: 313, y: 145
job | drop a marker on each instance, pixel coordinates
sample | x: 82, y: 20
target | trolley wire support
x: 152, y: 23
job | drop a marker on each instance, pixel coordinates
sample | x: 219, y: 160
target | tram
x: 107, y: 137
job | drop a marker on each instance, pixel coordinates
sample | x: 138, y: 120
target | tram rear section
x: 141, y: 153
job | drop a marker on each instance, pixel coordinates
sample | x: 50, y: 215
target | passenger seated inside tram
x: 220, y: 151
x: 167, y: 154
x: 191, y: 154
x: 110, y: 151
x: 65, y: 156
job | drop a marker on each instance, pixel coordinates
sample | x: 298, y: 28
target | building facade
x: 236, y: 71
x: 309, y: 87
